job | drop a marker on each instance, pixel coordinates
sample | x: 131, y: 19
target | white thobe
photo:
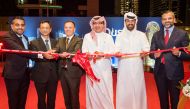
x: 130, y: 90
x: 99, y: 95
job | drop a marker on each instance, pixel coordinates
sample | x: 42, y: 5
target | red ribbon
x: 83, y: 61
x: 82, y: 58
x: 187, y: 51
x: 55, y: 55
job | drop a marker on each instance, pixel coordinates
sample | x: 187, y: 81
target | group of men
x: 46, y: 71
x: 130, y: 90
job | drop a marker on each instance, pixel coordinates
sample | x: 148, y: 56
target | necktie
x: 47, y: 44
x: 166, y: 38
x: 24, y: 41
x: 64, y: 62
x: 67, y: 42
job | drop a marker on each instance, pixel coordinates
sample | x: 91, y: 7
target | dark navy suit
x: 168, y: 75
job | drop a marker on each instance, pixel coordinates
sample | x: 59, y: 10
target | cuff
x: 40, y: 56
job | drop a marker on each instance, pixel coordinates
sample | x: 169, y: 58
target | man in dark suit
x: 168, y: 69
x: 70, y: 73
x: 44, y: 73
x: 16, y: 75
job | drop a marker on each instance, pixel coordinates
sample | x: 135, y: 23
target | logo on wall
x: 151, y: 28
x: 113, y: 32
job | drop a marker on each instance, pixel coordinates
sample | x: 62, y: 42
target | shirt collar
x: 170, y: 29
x: 70, y: 37
x: 45, y: 39
x: 19, y: 35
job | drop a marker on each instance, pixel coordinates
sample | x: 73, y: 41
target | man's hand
x: 157, y: 55
x: 48, y: 55
x: 144, y: 53
x: 98, y: 54
x: 175, y: 51
x: 64, y: 55
x: 51, y: 51
x: 118, y: 54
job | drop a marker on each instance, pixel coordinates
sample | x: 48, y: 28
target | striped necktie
x: 67, y: 42
x: 47, y: 44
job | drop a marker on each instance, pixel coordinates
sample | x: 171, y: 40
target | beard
x: 130, y: 27
x: 19, y: 31
x: 168, y: 24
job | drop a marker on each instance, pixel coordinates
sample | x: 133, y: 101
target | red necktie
x: 166, y: 38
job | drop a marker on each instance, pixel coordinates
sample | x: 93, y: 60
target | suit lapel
x: 64, y: 44
x: 53, y: 43
x: 18, y: 39
x: 172, y: 38
x: 162, y: 39
x: 26, y: 40
x: 42, y: 45
x: 71, y: 43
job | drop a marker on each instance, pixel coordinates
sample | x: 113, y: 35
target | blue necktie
x: 24, y: 41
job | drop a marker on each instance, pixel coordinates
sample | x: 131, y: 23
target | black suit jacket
x: 43, y: 69
x: 173, y: 64
x: 15, y: 64
x: 73, y: 69
x: 185, y: 56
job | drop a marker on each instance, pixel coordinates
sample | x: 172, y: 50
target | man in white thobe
x: 130, y: 90
x: 99, y: 95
